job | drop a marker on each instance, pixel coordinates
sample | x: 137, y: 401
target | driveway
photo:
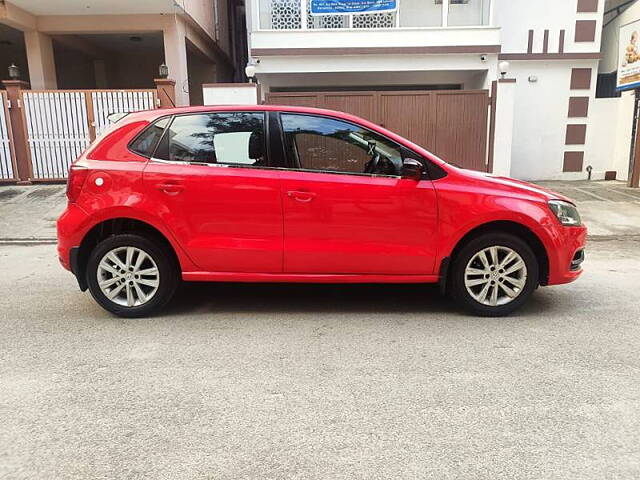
x: 320, y: 382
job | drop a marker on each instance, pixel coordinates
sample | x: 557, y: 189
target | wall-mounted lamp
x: 14, y: 72
x: 163, y: 71
x: 504, y: 68
x: 250, y: 72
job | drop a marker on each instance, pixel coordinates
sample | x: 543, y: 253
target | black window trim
x: 220, y: 165
x: 295, y: 166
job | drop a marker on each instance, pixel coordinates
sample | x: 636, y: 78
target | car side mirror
x: 412, y: 169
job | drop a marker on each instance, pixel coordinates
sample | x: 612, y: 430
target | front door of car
x: 346, y: 209
x: 213, y: 187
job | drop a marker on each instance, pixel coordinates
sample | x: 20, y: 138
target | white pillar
x: 175, y: 55
x: 42, y: 66
x: 505, y: 101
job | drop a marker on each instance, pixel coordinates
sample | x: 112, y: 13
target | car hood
x: 515, y: 186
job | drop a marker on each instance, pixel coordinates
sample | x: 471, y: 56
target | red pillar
x: 166, y: 92
x: 18, y: 128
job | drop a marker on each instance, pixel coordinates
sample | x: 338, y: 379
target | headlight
x: 566, y: 213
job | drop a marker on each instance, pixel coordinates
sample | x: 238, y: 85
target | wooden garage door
x: 450, y: 123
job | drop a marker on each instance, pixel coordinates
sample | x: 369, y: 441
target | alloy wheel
x: 128, y: 276
x: 495, y: 276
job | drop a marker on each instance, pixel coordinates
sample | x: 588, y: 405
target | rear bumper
x: 72, y: 226
x: 565, y: 249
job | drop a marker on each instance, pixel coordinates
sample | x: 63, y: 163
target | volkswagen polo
x: 293, y: 194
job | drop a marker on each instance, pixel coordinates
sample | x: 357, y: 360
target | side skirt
x: 304, y: 278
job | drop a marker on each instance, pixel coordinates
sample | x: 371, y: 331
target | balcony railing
x: 296, y: 15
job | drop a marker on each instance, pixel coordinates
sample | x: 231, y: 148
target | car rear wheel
x: 494, y: 274
x: 131, y: 276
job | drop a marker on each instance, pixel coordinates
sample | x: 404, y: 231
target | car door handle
x: 170, y: 188
x: 304, y: 197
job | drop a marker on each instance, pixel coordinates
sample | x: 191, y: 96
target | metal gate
x: 7, y: 167
x: 450, y: 123
x: 60, y: 124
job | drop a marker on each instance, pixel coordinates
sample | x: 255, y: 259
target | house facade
x: 65, y: 44
x: 548, y: 49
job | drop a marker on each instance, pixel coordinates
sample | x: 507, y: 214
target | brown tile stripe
x: 587, y: 6
x: 576, y: 135
x: 573, y: 161
x: 550, y: 56
x: 545, y: 42
x: 581, y: 79
x: 578, y: 107
x: 530, y: 45
x: 585, y: 30
x: 561, y: 42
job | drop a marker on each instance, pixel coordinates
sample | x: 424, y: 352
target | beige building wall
x: 200, y: 24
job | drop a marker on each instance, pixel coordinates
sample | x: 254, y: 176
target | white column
x: 445, y: 13
x: 303, y: 14
x: 42, y: 66
x: 505, y: 101
x: 175, y: 56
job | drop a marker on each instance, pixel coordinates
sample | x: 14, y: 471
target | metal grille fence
x: 57, y: 130
x: 107, y: 102
x: 61, y: 124
x: 7, y: 171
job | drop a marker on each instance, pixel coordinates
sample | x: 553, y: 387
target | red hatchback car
x: 292, y: 194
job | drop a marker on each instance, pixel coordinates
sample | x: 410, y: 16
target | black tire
x: 464, y: 256
x: 169, y: 274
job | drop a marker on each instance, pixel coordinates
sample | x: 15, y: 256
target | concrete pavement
x: 320, y: 382
x: 29, y: 213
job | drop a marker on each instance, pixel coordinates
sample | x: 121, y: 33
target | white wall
x: 225, y: 94
x: 517, y: 17
x: 609, y: 149
x: 541, y: 118
x: 470, y: 80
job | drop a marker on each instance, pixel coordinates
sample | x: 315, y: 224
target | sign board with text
x: 342, y: 7
x: 629, y: 57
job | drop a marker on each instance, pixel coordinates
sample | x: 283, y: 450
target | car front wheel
x: 131, y: 276
x: 494, y: 274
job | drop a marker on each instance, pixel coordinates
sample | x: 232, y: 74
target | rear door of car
x: 216, y: 189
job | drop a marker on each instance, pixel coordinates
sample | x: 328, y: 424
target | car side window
x: 145, y: 143
x: 229, y: 138
x: 331, y: 145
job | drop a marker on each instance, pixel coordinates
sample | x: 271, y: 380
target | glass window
x: 464, y: 13
x: 234, y: 138
x: 327, y: 144
x: 145, y: 143
x: 420, y: 13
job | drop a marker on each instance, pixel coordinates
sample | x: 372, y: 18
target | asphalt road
x: 322, y: 382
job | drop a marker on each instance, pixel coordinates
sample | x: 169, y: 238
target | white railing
x: 7, y: 171
x: 296, y: 15
x: 61, y: 124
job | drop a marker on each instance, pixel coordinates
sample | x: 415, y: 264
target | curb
x: 28, y: 241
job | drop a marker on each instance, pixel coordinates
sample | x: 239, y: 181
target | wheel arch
x: 503, y: 226
x: 115, y: 226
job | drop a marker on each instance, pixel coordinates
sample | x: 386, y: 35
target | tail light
x: 77, y: 177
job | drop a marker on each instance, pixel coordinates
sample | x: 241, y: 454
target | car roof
x: 245, y: 108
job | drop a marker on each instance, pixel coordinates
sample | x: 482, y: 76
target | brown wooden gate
x: 450, y: 123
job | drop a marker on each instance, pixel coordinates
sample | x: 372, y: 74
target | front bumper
x: 565, y: 248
